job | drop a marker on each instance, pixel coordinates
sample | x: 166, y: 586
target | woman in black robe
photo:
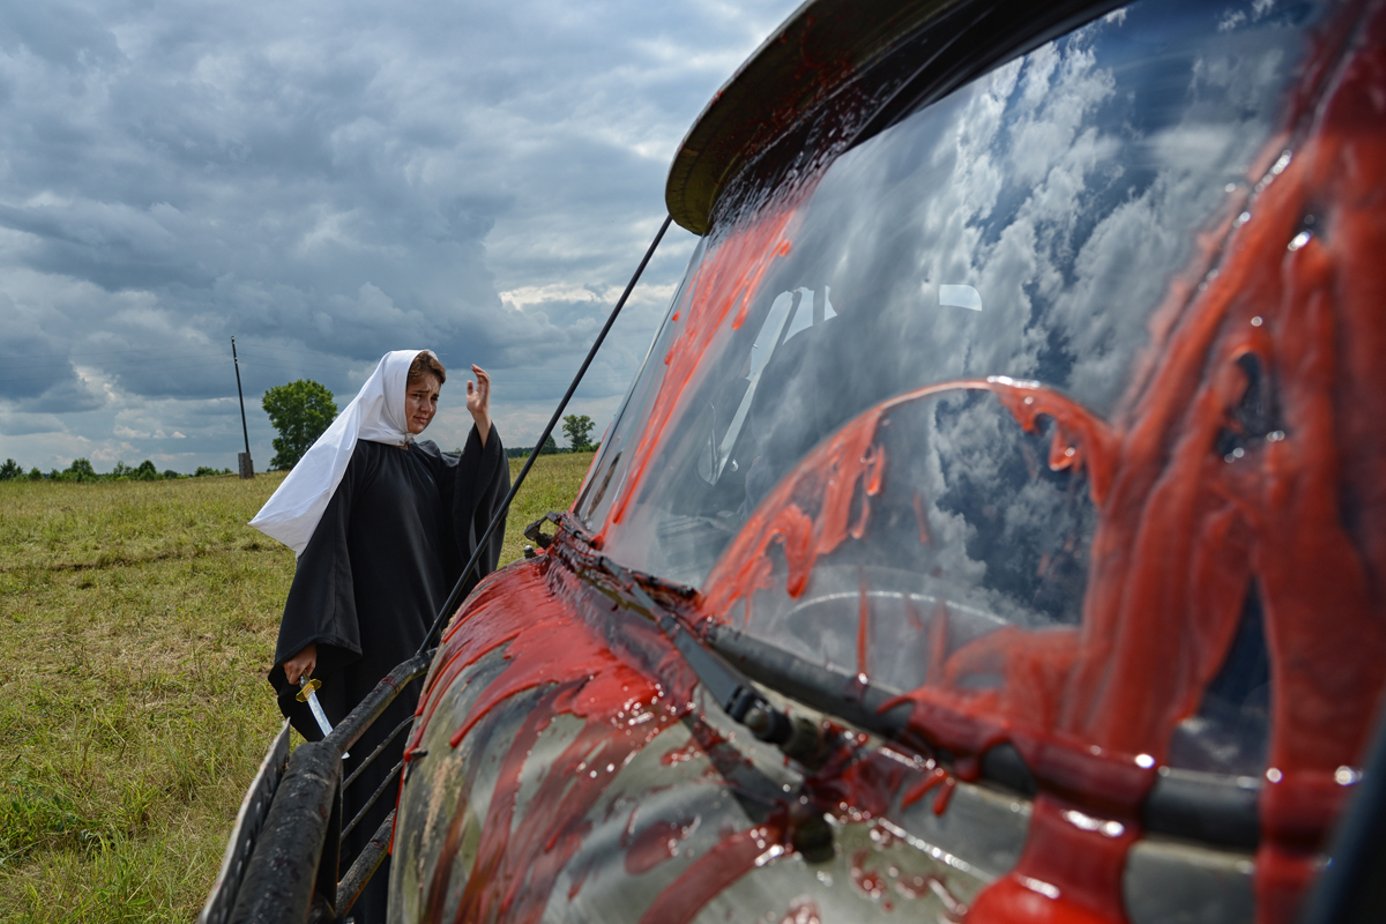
x: 382, y: 557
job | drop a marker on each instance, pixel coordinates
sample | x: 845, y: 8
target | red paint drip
x: 1070, y: 872
x: 921, y: 519
x: 654, y: 844
x: 944, y: 795
x: 921, y: 789
x: 723, y: 288
x: 845, y: 466
x: 737, y: 853
x: 680, y: 754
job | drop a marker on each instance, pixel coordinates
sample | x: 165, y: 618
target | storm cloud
x: 324, y: 182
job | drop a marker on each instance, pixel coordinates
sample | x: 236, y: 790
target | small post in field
x: 247, y: 467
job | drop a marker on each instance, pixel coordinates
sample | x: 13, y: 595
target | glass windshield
x: 913, y: 391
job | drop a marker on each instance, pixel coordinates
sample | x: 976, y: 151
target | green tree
x: 578, y: 429
x: 300, y: 411
x: 10, y: 470
x: 550, y: 446
x: 145, y: 471
x: 79, y: 470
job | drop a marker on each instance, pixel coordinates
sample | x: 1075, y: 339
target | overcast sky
x: 325, y: 181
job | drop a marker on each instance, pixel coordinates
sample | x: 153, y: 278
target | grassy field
x: 137, y: 620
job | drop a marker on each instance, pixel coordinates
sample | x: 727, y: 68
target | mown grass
x: 137, y: 620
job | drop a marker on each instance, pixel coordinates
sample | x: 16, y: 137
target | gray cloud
x: 324, y: 183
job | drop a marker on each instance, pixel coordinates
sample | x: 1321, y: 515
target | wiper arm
x: 1213, y: 809
x: 803, y: 741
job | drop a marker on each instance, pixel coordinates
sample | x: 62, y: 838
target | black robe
x: 384, y: 557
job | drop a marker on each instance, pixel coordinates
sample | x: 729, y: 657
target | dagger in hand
x: 308, y: 693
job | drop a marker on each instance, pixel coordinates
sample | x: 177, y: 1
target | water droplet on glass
x: 1299, y: 240
x: 1274, y: 775
x: 1346, y: 776
x: 1275, y: 436
x: 1242, y: 219
x: 1280, y: 164
x: 1257, y: 321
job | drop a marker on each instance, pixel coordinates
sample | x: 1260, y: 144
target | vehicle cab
x: 996, y: 530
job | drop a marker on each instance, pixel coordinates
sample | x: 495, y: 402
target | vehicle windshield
x: 909, y: 389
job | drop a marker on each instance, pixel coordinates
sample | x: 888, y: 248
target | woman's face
x: 420, y: 402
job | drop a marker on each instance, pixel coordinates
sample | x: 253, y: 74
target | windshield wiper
x: 732, y: 665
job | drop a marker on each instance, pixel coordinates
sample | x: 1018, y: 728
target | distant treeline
x: 550, y: 447
x: 81, y: 470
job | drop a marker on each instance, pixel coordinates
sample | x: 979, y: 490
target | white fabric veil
x: 376, y: 414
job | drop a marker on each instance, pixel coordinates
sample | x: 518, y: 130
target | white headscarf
x: 376, y: 414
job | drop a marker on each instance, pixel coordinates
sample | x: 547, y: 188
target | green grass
x: 137, y: 621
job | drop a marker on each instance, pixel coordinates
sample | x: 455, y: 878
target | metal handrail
x: 292, y: 866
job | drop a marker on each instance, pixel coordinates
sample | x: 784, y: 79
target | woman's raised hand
x: 479, y: 401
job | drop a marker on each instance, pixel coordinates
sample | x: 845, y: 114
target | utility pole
x: 247, y: 467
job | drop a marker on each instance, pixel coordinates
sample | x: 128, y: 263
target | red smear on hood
x: 524, y: 845
x: 714, y: 871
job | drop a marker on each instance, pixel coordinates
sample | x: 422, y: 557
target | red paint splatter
x: 805, y: 515
x: 523, y: 846
x: 944, y: 795
x: 919, y: 790
x: 868, y: 881
x: 654, y: 843
x: 921, y: 518
x: 722, y: 291
x: 680, y: 754
x: 1070, y: 872
x: 737, y: 854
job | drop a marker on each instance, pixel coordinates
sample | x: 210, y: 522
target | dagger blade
x: 307, y: 693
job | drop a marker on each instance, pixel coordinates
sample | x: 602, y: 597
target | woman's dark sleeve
x: 480, y: 483
x: 321, y: 606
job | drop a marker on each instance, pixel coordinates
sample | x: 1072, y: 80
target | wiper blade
x: 731, y: 664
